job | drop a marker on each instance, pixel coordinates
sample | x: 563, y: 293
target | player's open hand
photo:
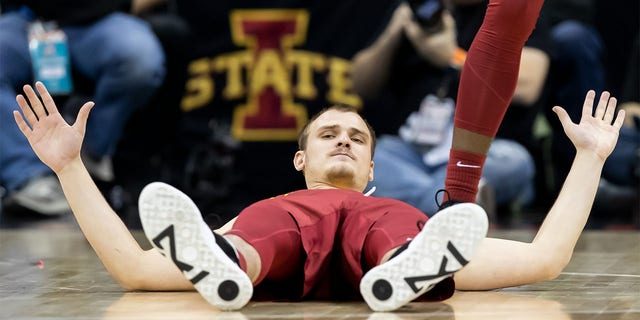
x: 54, y: 141
x: 597, y: 131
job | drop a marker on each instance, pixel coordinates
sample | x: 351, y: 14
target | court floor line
x: 587, y: 274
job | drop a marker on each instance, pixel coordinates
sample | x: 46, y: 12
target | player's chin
x: 341, y: 171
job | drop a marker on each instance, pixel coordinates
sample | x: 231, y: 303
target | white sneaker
x: 445, y: 245
x: 43, y: 195
x: 173, y: 224
x: 100, y: 169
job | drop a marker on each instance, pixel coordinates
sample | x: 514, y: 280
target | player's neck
x: 317, y: 185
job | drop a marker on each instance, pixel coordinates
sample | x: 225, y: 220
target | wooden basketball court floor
x: 49, y: 271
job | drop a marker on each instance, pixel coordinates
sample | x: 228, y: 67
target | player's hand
x: 597, y: 131
x: 54, y: 141
x: 436, y: 47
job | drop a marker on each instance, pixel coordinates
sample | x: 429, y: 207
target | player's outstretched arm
x: 58, y: 145
x: 503, y: 263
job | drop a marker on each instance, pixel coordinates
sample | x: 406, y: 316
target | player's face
x: 338, y: 152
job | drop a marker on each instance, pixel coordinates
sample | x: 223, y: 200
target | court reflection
x: 502, y: 305
x: 417, y: 310
x: 166, y: 305
x: 483, y: 305
x: 462, y: 306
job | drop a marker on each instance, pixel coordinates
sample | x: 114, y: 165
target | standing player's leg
x: 487, y: 84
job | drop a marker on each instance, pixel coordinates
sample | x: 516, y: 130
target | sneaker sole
x: 173, y: 224
x: 444, y: 246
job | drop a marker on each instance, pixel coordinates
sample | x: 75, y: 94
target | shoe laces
x: 446, y: 203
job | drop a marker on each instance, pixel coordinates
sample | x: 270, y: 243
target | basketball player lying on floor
x: 328, y: 240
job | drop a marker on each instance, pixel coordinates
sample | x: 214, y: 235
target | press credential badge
x: 429, y: 125
x: 50, y: 57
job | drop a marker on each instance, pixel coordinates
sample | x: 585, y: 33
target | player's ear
x: 299, y: 160
x: 371, y: 171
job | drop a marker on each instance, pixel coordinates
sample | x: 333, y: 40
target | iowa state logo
x: 268, y: 74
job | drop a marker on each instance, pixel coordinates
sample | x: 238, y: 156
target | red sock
x: 487, y: 84
x: 463, y: 175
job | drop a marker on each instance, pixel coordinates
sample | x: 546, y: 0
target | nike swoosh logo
x: 460, y: 164
x: 411, y: 281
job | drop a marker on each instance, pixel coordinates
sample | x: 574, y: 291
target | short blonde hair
x: 303, y: 136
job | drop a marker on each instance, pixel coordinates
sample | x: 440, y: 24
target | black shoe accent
x: 169, y: 233
x: 227, y: 248
x: 184, y: 267
x: 382, y: 289
x: 400, y: 249
x: 411, y: 281
x: 456, y: 254
x: 228, y: 290
x: 199, y: 277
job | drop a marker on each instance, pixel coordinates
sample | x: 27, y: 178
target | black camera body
x: 428, y: 13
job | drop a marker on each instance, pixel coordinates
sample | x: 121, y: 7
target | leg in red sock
x: 487, y: 84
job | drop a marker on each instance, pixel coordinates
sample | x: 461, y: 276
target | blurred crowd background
x: 209, y: 96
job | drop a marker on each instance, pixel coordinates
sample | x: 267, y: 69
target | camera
x: 428, y: 13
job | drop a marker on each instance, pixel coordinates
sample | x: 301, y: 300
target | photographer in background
x: 409, y: 77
